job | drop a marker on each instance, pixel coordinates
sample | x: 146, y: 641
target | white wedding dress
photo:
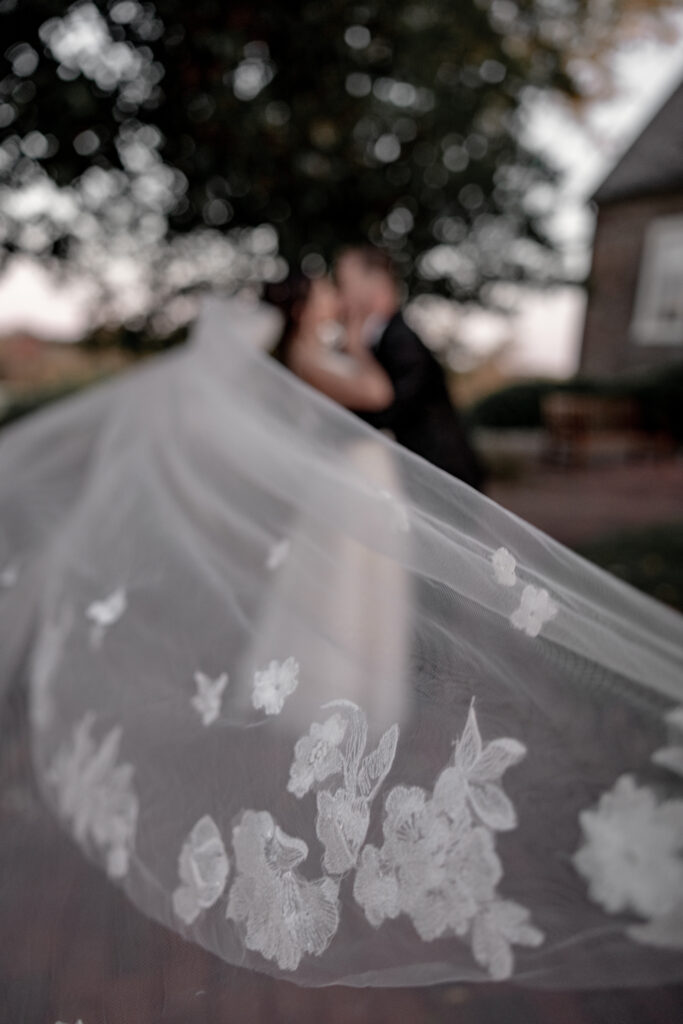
x: 321, y: 708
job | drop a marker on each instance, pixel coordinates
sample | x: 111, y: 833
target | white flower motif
x: 341, y: 826
x: 338, y: 747
x: 274, y: 684
x: 207, y: 700
x: 439, y: 866
x: 476, y: 771
x: 444, y: 869
x: 504, y: 567
x: 536, y: 608
x: 96, y: 794
x: 106, y: 613
x: 317, y: 755
x: 9, y: 576
x: 496, y: 928
x: 277, y: 554
x: 203, y: 868
x: 284, y: 914
x: 376, y: 886
x: 631, y: 851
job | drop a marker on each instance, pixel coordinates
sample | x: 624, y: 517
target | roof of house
x: 654, y: 160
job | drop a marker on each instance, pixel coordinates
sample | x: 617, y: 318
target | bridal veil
x: 323, y: 709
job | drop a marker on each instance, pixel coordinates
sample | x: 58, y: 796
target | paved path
x: 580, y: 504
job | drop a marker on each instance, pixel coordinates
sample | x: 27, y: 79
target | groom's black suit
x: 421, y: 416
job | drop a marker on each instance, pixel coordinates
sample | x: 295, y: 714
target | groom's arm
x: 408, y: 364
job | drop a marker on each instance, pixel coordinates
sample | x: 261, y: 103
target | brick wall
x: 619, y: 238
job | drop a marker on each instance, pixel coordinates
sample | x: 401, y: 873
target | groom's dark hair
x: 372, y: 258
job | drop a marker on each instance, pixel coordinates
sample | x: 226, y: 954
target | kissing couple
x: 347, y: 337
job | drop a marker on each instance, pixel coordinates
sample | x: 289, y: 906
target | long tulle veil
x: 323, y: 709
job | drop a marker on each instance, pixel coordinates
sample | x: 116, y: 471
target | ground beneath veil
x: 578, y: 505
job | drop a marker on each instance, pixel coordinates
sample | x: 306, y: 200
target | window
x: 658, y: 317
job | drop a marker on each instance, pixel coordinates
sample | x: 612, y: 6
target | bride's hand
x: 355, y: 334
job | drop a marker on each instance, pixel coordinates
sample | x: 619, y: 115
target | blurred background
x: 522, y: 160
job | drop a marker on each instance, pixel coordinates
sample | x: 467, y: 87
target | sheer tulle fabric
x: 324, y: 710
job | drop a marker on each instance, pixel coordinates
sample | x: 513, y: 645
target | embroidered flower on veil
x: 438, y: 863
x: 535, y: 609
x: 284, y: 914
x: 337, y: 747
x: 274, y: 684
x: 203, y: 868
x: 504, y: 567
x: 631, y: 854
x: 96, y: 794
x: 207, y: 700
x: 105, y: 613
x: 317, y: 755
x: 497, y: 927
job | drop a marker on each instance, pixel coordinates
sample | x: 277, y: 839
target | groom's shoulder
x: 398, y: 330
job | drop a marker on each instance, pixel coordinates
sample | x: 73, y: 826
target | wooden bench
x: 582, y: 427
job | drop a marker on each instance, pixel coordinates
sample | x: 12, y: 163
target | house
x: 634, y: 314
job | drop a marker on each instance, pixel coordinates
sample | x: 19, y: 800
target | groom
x: 421, y: 415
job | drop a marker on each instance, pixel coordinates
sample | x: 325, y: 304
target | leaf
x: 490, y: 949
x: 496, y: 758
x: 493, y: 806
x: 286, y: 852
x: 468, y: 749
x: 375, y: 767
x: 356, y: 738
x: 664, y: 932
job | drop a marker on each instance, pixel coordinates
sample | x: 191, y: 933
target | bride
x: 316, y: 705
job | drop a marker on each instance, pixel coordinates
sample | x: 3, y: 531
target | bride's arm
x: 357, y: 382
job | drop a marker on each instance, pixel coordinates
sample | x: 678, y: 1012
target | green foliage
x: 659, y: 394
x: 395, y: 121
x: 34, y: 402
x: 650, y: 559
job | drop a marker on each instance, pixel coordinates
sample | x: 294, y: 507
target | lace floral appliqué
x: 536, y: 608
x: 631, y: 859
x: 203, y: 868
x: 285, y: 916
x: 504, y: 567
x: 207, y: 700
x: 337, y: 748
x: 274, y: 684
x: 438, y: 863
x: 104, y: 614
x: 96, y: 794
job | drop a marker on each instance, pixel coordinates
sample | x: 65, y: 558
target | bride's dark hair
x: 289, y: 296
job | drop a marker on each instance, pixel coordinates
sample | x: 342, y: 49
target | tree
x: 207, y: 139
